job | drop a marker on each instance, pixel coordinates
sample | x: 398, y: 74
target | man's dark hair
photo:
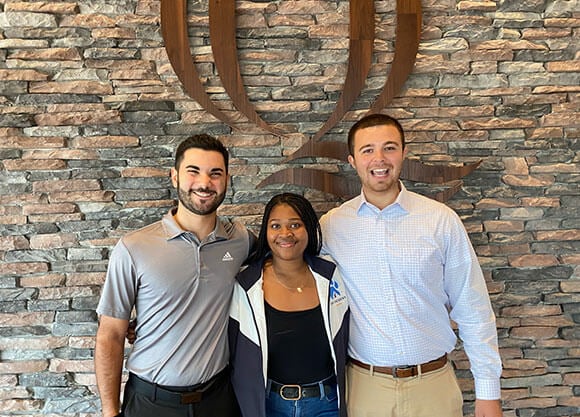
x: 371, y: 120
x: 201, y: 141
x: 306, y: 213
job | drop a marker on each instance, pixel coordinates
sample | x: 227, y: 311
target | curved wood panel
x: 222, y: 30
x: 327, y: 149
x: 175, y: 36
x: 415, y: 170
x: 445, y: 195
x: 408, y: 34
x: 361, y: 38
x: 339, y: 185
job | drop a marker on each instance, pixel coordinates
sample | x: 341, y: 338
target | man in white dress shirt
x: 409, y: 269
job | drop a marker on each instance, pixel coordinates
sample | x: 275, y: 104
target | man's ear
x: 351, y: 161
x: 173, y: 175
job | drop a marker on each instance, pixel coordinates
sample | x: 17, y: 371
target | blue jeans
x: 324, y: 406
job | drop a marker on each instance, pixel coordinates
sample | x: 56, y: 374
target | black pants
x: 219, y: 402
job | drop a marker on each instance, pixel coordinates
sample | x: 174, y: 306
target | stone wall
x: 91, y: 111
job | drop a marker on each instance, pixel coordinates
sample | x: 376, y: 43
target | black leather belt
x: 177, y: 395
x: 296, y: 391
x: 404, y: 371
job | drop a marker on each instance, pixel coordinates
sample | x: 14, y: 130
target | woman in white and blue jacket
x: 289, y: 320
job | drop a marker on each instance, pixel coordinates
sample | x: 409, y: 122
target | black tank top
x: 298, y: 349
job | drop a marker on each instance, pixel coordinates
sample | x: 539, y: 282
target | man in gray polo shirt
x: 178, y: 275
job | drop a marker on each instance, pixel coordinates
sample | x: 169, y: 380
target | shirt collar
x: 173, y: 229
x: 402, y: 204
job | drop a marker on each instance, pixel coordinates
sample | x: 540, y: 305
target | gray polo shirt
x: 181, y: 290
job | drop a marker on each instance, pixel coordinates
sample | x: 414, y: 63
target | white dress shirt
x: 408, y: 269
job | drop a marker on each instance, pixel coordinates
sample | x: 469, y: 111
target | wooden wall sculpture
x: 222, y: 25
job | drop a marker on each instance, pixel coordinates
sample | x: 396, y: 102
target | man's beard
x: 202, y: 209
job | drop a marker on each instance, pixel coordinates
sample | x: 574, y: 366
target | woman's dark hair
x: 202, y: 141
x: 307, y: 214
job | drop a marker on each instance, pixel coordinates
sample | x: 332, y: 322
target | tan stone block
x: 561, y: 119
x: 48, y: 54
x: 528, y: 180
x: 496, y: 123
x: 570, y: 401
x: 531, y: 403
x: 564, y: 22
x: 45, y: 280
x: 26, y: 319
x: 23, y: 268
x: 8, y: 243
x: 560, y: 321
x: 504, y: 226
x: 101, y: 142
x: 48, y: 208
x: 147, y: 203
x: 34, y: 164
x: 532, y: 311
x: 534, y: 260
x: 87, y: 21
x: 66, y: 185
x: 71, y: 87
x: 550, y: 89
x: 550, y: 391
x: 117, y: 33
x: 516, y: 166
x: 540, y: 201
x: 486, y: 6
x: 545, y: 33
x: 85, y: 278
x: 570, y: 286
x: 144, y: 172
x: 22, y: 75
x: 62, y: 365
x: 24, y: 142
x: 94, y: 196
x: 60, y: 154
x: 55, y: 218
x: 514, y: 394
x: 81, y: 342
x: 42, y: 7
x: 534, y: 332
x: 572, y: 378
x: 52, y: 241
x: 558, y: 235
x: 19, y: 367
x: 510, y: 45
x: 523, y: 364
x: 79, y: 118
x: 59, y: 293
x: 15, y: 219
x: 486, y: 203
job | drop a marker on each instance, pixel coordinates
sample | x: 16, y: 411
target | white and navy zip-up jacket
x: 248, y: 334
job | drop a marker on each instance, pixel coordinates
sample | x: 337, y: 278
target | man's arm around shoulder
x: 109, y: 351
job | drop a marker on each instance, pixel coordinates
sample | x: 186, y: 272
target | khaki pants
x: 378, y: 395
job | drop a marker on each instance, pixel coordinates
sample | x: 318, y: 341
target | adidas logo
x: 227, y: 257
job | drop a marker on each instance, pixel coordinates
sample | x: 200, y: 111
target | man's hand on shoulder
x: 488, y: 408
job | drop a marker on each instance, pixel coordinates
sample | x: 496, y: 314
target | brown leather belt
x: 404, y: 371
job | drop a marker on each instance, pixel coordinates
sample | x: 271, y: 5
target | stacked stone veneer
x: 91, y: 111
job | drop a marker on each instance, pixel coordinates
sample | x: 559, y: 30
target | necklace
x: 297, y: 289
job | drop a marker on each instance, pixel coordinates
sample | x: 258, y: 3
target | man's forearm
x: 108, y: 369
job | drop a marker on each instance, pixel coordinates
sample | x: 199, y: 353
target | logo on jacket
x: 334, y: 290
x: 227, y: 257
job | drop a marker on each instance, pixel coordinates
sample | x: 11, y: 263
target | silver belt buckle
x: 396, y: 368
x: 298, y: 387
